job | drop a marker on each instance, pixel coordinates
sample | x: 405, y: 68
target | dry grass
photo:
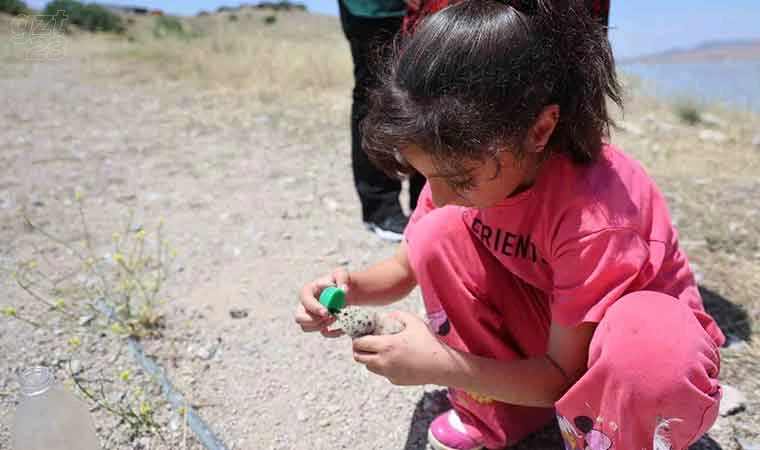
x: 300, y: 55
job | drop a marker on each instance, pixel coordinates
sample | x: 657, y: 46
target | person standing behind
x: 370, y: 26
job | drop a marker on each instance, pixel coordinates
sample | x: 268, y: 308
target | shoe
x: 390, y: 228
x: 447, y: 432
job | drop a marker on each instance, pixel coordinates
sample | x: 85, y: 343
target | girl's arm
x: 416, y: 356
x: 537, y: 382
x: 383, y: 283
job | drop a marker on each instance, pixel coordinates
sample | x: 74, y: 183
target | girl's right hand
x: 310, y: 314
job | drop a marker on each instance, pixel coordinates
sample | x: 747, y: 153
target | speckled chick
x: 357, y: 322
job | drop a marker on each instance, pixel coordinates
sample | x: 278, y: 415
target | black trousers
x: 368, y: 37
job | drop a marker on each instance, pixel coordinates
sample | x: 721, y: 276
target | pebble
x: 76, y: 366
x: 748, y: 445
x: 712, y: 136
x: 756, y: 140
x: 732, y: 402
x: 712, y: 120
x: 699, y: 277
x: 174, y: 423
x: 239, y: 313
x: 84, y: 321
x: 302, y: 416
x: 734, y: 342
x: 330, y: 203
x: 204, y: 353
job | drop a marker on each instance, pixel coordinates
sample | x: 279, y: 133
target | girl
x: 549, y: 267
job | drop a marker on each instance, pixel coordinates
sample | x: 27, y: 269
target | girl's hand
x: 310, y: 314
x: 412, y: 357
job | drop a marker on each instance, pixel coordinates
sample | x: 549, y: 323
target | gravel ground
x: 258, y: 199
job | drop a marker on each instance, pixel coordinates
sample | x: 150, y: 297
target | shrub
x: 13, y: 7
x: 89, y: 16
x: 688, y: 112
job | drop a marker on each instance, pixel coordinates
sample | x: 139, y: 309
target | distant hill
x: 706, y: 51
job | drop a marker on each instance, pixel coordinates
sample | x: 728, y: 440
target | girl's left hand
x: 412, y: 357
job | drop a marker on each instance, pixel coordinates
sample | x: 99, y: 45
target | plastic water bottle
x: 49, y: 417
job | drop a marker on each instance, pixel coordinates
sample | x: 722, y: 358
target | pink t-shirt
x: 585, y: 236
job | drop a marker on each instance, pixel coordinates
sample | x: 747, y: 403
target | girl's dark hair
x: 475, y: 76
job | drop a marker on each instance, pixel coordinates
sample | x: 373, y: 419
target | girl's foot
x: 447, y: 432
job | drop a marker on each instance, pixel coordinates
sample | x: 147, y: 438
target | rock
x: 732, y: 402
x: 239, y: 313
x: 712, y: 136
x: 175, y: 422
x: 756, y: 141
x: 205, y: 354
x: 630, y: 128
x: 699, y: 277
x: 152, y: 196
x: 330, y: 203
x: 76, y: 366
x: 735, y: 343
x: 748, y: 445
x: 84, y: 321
x: 712, y: 120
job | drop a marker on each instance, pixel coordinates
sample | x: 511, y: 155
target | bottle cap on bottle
x: 332, y: 298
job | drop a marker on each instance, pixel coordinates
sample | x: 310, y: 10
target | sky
x: 637, y: 27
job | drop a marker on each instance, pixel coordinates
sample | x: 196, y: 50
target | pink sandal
x: 447, y: 432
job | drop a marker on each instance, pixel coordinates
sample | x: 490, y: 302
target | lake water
x: 735, y: 83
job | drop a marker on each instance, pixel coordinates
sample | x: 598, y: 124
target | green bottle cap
x: 333, y: 299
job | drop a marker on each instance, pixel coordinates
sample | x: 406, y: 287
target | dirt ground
x: 255, y: 187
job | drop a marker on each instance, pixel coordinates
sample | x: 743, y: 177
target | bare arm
x: 415, y: 356
x: 383, y: 283
x: 380, y: 284
x: 538, y: 382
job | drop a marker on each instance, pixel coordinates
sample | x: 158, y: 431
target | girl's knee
x: 652, y: 347
x: 649, y: 310
x: 651, y: 329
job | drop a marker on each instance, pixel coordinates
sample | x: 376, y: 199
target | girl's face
x: 479, y: 184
